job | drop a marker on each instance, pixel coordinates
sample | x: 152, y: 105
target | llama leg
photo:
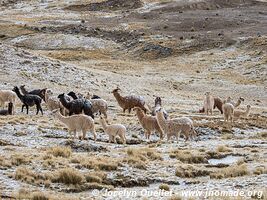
x: 27, y: 108
x: 148, y: 134
x: 94, y: 133
x: 22, y: 107
x: 37, y: 108
x: 129, y: 110
x: 114, y: 139
x: 84, y: 134
x: 41, y: 110
x: 124, y: 110
x: 109, y: 138
x: 75, y: 134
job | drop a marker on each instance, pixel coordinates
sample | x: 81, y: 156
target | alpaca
x: 173, y: 127
x: 114, y: 130
x: 158, y: 104
x: 228, y: 110
x: 29, y: 100
x: 98, y: 105
x: 7, y: 96
x: 238, y: 113
x: 38, y: 92
x: 76, y: 123
x: 217, y: 104
x: 235, y: 104
x: 208, y: 103
x: 53, y: 103
x: 129, y: 102
x: 8, y: 111
x: 149, y: 123
x: 76, y: 106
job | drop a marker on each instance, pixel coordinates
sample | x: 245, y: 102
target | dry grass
x: 260, y: 170
x: 26, y: 175
x: 69, y: 176
x: 223, y: 148
x: 232, y: 171
x: 190, y: 171
x: 104, y: 163
x: 4, y: 163
x: 164, y: 187
x: 19, y: 159
x: 187, y: 156
x: 96, y: 177
x: 139, y: 157
x: 175, y: 197
x: 60, y: 151
x: 25, y: 194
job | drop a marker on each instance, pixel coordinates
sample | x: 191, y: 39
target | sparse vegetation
x: 60, y: 151
x: 187, y: 156
x: 190, y: 171
x: 69, y: 176
x: 232, y: 171
x: 164, y: 187
x: 223, y: 148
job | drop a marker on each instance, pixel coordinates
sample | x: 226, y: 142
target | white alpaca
x: 208, y: 103
x: 7, y: 96
x: 175, y: 127
x: 98, y: 105
x: 77, y: 123
x: 238, y: 113
x: 53, y: 102
x: 114, y: 130
x: 228, y: 111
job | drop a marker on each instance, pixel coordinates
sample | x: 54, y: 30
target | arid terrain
x: 175, y: 49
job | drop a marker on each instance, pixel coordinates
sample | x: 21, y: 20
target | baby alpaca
x: 228, y: 110
x: 173, y: 127
x: 53, y: 103
x: 238, y: 113
x: 149, y: 123
x: 114, y: 130
x: 77, y: 123
x: 8, y: 111
x: 208, y: 103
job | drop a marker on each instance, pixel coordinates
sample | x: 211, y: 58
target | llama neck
x: 19, y: 94
x: 103, y: 123
x: 238, y: 103
x: 140, y: 115
x: 74, y: 96
x: 118, y: 97
x: 65, y: 102
x: 161, y: 120
x: 61, y: 117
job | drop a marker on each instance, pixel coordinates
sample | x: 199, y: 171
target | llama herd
x: 77, y: 112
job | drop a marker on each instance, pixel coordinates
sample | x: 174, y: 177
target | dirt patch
x: 110, y: 5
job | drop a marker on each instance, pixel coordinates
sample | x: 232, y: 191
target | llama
x: 114, y: 130
x: 238, y: 113
x: 228, y: 110
x: 38, y: 92
x: 9, y: 111
x: 235, y: 104
x: 98, y: 105
x: 149, y: 123
x: 208, y: 103
x: 129, y: 102
x: 217, y: 104
x: 53, y: 103
x: 158, y: 104
x: 175, y: 127
x: 76, y: 123
x: 29, y: 100
x: 7, y: 96
x: 76, y: 106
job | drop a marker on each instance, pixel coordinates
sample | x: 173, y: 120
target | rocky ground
x: 174, y: 49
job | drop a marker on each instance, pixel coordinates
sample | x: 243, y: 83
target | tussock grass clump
x: 100, y: 164
x: 37, y: 195
x: 96, y: 177
x: 190, y: 171
x: 26, y: 175
x: 4, y: 163
x: 19, y: 159
x: 164, y: 187
x: 223, y: 148
x: 69, y: 176
x: 60, y: 151
x: 140, y: 156
x: 187, y: 156
x: 260, y: 170
x: 232, y: 171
